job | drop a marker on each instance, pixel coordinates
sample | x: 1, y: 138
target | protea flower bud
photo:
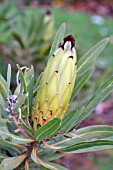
x: 49, y: 25
x: 56, y: 84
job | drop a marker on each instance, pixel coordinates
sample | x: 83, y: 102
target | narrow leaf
x: 3, y: 87
x: 22, y: 79
x: 12, y: 163
x: 58, y: 39
x: 2, y: 102
x: 7, y: 144
x: 18, y: 38
x: 30, y: 88
x: 8, y: 78
x: 95, y: 128
x: 67, y: 121
x: 37, y: 83
x: 23, y: 84
x: 21, y: 101
x: 38, y: 161
x: 81, y: 81
x: 88, y: 59
x: 2, y: 156
x: 87, y: 134
x: 105, y: 89
x: 51, y: 157
x: 19, y: 140
x: 59, y: 167
x: 14, y: 139
x: 48, y: 129
x: 3, y: 130
x: 89, y: 146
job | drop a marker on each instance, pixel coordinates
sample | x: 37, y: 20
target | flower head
x: 56, y: 84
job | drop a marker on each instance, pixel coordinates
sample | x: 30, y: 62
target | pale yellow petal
x: 52, y: 87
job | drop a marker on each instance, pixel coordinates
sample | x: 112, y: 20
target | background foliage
x: 88, y: 30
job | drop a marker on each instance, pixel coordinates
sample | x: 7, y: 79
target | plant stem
x: 20, y: 128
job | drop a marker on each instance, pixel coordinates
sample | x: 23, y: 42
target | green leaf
x: 51, y: 157
x: 58, y: 39
x: 5, y: 134
x: 23, y: 84
x: 58, y: 167
x: 22, y: 79
x: 47, y: 130
x: 45, y: 152
x: 7, y: 144
x: 85, y: 63
x: 67, y: 121
x: 18, y: 38
x: 38, y: 161
x: 3, y: 130
x: 95, y: 128
x: 30, y: 88
x: 81, y: 81
x: 86, y: 134
x: 21, y: 101
x: 18, y: 91
x: 8, y: 78
x: 104, y: 90
x: 94, y: 148
x: 2, y: 156
x: 12, y: 163
x: 3, y: 87
x: 37, y: 83
x: 19, y: 140
x: 89, y: 146
x: 2, y: 102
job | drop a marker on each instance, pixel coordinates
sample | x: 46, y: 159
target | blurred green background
x: 27, y: 29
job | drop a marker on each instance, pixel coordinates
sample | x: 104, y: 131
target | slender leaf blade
x: 2, y: 156
x: 21, y: 101
x: 67, y: 121
x: 3, y: 87
x: 2, y: 102
x: 57, y: 166
x: 95, y: 128
x: 99, y: 96
x: 89, y: 146
x: 8, y: 78
x: 38, y: 161
x: 30, y: 88
x: 51, y: 157
x: 23, y: 86
x: 47, y: 130
x: 87, y: 134
x: 12, y: 163
x: 88, y: 59
x: 104, y: 90
x: 5, y: 134
x: 81, y: 81
x: 7, y: 144
x: 3, y: 130
x: 58, y: 38
x: 22, y: 79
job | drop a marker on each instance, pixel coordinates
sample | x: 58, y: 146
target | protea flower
x: 56, y: 84
x: 49, y: 24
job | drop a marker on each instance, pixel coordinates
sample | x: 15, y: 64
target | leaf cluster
x: 22, y: 147
x: 25, y: 34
